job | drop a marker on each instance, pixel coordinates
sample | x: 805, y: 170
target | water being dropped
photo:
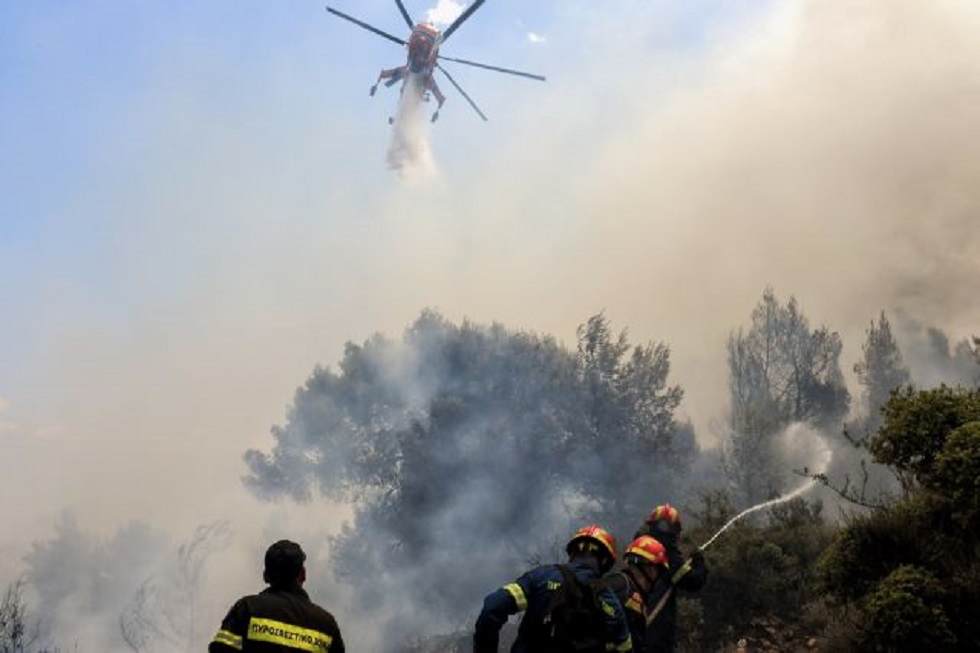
x: 409, y: 153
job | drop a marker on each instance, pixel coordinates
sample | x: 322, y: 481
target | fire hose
x: 675, y: 577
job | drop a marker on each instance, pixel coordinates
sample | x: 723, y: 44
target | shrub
x: 905, y: 613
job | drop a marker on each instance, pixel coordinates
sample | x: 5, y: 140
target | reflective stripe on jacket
x: 531, y: 594
x: 277, y: 620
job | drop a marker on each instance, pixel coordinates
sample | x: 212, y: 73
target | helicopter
x: 423, y: 57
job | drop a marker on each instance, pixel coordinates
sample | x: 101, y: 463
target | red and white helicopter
x: 423, y: 56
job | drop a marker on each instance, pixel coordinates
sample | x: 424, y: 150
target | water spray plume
x: 795, y: 438
x: 798, y: 438
x: 795, y: 493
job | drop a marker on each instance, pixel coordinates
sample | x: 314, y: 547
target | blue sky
x: 106, y: 104
x: 74, y: 74
x: 195, y: 209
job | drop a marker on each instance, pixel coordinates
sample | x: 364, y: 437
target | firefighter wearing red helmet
x: 645, y: 565
x: 664, y: 524
x: 591, y: 553
x: 596, y: 541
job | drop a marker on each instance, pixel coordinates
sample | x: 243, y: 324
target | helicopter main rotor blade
x: 408, y: 19
x: 369, y: 28
x: 497, y: 68
x: 461, y: 19
x: 461, y: 91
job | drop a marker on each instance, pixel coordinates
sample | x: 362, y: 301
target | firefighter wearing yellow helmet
x: 645, y: 566
x: 550, y: 596
x: 664, y: 524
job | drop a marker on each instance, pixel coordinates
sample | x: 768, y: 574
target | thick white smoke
x: 802, y: 446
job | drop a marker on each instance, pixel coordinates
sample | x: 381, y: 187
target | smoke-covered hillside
x: 471, y: 450
x: 467, y: 452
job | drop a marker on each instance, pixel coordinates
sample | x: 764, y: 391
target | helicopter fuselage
x: 423, y: 48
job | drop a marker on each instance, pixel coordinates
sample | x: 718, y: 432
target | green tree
x: 880, y: 371
x: 465, y: 442
x: 931, y: 438
x: 628, y: 420
x: 14, y: 636
x: 917, y: 426
x: 957, y: 474
x: 780, y: 372
x: 761, y: 572
x: 20, y: 632
x: 905, y: 613
x: 853, y: 474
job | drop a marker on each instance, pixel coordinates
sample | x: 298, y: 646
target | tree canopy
x: 780, y: 372
x: 911, y: 568
x: 465, y: 441
x: 881, y: 370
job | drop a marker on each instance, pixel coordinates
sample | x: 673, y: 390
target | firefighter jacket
x: 277, y: 620
x: 661, y: 634
x: 531, y: 593
x: 634, y: 602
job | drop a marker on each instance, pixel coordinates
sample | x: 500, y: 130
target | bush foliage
x: 911, y: 568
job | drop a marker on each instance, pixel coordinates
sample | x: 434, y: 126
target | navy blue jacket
x: 661, y: 635
x: 531, y: 594
x: 634, y: 600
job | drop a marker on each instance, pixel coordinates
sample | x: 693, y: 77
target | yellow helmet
x: 665, y: 512
x: 648, y: 549
x: 595, y: 540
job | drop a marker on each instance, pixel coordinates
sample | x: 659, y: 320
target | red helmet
x: 594, y: 539
x: 648, y: 550
x: 667, y: 513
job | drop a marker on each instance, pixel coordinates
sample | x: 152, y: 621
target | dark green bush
x: 760, y: 568
x: 905, y: 613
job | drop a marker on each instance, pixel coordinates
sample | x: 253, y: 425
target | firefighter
x: 664, y: 524
x: 591, y: 553
x: 645, y: 565
x: 281, y: 617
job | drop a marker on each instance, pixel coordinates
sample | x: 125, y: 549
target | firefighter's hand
x: 697, y: 559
